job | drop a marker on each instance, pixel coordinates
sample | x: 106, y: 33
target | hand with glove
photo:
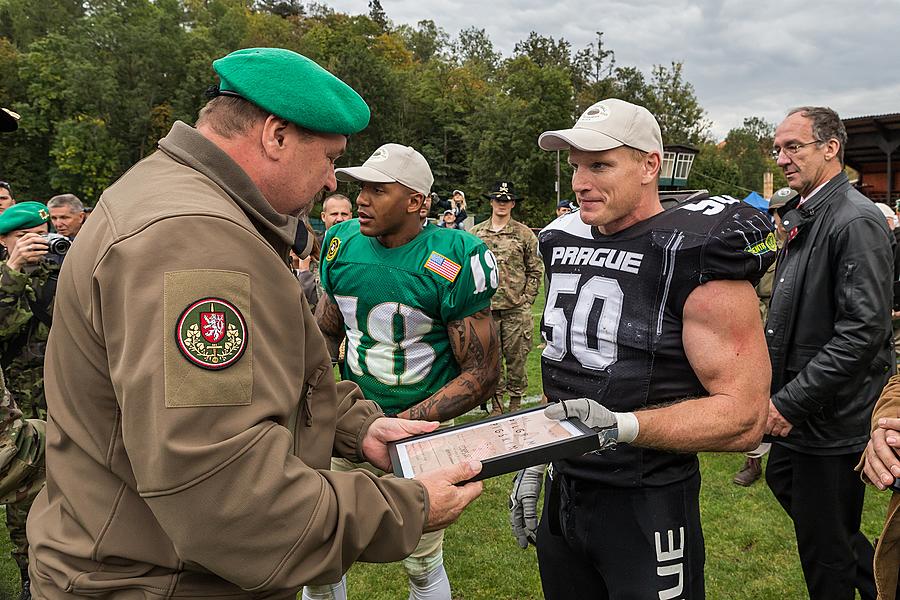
x: 523, y: 504
x: 612, y: 427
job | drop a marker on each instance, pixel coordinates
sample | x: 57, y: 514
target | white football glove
x: 612, y: 427
x: 523, y: 504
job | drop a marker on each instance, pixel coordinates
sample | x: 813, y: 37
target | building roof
x: 870, y: 137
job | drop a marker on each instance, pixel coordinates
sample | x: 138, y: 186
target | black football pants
x: 624, y: 544
x: 823, y: 495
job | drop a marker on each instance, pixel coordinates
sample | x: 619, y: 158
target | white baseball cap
x: 606, y: 125
x: 392, y: 163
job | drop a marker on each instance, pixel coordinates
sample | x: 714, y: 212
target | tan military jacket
x: 516, y: 249
x: 180, y: 481
x: 887, y: 552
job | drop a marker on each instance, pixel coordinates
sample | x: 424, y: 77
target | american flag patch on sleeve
x: 443, y: 266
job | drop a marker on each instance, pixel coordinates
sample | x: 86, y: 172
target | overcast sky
x: 743, y: 58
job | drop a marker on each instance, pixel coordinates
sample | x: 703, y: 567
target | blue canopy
x: 757, y: 201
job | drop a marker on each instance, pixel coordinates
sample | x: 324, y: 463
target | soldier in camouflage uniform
x: 22, y: 444
x: 515, y: 248
x: 27, y: 284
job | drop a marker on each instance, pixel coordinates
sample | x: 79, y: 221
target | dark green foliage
x: 98, y: 82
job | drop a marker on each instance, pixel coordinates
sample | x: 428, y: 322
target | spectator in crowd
x: 22, y: 459
x: 27, y: 285
x: 194, y: 415
x: 829, y: 338
x: 514, y: 246
x: 449, y: 221
x: 306, y: 270
x: 563, y: 207
x: 426, y: 209
x: 336, y: 208
x: 66, y: 214
x: 87, y: 212
x: 6, y: 197
x: 383, y: 268
x: 880, y: 466
x: 456, y: 204
x: 752, y: 469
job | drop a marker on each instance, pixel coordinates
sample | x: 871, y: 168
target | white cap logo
x: 379, y: 155
x: 784, y: 192
x: 595, y: 114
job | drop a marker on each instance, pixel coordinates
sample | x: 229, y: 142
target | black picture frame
x: 571, y: 447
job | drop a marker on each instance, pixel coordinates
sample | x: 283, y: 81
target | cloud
x: 743, y: 58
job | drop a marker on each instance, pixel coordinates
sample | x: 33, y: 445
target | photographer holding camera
x: 27, y: 287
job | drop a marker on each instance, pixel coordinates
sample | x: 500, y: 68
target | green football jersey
x: 397, y: 303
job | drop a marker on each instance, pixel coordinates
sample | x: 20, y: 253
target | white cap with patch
x: 606, y: 125
x: 392, y: 163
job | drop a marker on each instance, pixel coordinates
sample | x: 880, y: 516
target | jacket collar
x: 794, y: 216
x: 186, y: 145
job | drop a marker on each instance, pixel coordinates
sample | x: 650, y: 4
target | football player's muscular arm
x: 724, y: 342
x: 330, y: 322
x: 476, y: 347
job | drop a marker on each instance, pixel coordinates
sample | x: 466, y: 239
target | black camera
x: 57, y: 247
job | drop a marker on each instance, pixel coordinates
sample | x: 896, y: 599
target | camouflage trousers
x: 22, y: 476
x: 515, y: 327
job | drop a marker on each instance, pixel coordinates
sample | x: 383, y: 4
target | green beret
x: 294, y: 88
x: 23, y: 216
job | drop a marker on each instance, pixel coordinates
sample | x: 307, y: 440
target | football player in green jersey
x: 414, y: 304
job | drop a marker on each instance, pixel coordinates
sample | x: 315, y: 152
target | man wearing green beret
x: 194, y: 409
x: 21, y: 453
x: 27, y: 285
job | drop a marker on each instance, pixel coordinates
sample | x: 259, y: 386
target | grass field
x: 750, y: 549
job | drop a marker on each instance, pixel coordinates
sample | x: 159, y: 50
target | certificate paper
x: 501, y: 444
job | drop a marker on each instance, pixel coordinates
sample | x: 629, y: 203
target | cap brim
x: 580, y: 139
x: 7, y: 121
x: 363, y: 173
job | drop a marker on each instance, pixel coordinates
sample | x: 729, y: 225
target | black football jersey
x: 613, y: 317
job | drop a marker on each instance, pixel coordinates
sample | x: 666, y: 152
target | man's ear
x: 650, y: 165
x: 274, y: 136
x: 832, y: 147
x: 416, y: 200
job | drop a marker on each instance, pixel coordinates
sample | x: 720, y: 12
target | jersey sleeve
x: 475, y: 285
x: 741, y: 247
x: 330, y: 247
x: 717, y: 238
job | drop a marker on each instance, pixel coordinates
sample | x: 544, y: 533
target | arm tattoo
x: 477, y: 350
x: 330, y: 320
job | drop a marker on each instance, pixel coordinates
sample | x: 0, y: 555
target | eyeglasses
x: 792, y: 149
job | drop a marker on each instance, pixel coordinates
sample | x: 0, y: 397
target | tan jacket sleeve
x: 233, y: 462
x: 888, y: 406
x: 534, y: 268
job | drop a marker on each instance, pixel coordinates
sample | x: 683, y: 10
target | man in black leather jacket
x: 829, y: 338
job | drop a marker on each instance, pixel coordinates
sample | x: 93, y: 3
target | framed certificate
x: 503, y: 444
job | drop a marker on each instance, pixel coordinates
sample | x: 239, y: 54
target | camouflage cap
x: 294, y: 88
x: 22, y: 216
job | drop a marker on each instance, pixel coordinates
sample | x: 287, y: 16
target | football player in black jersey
x: 654, y: 339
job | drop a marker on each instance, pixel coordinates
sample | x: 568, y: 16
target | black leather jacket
x: 829, y: 324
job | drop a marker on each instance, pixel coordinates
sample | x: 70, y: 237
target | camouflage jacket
x: 23, y: 336
x: 516, y: 249
x: 22, y: 446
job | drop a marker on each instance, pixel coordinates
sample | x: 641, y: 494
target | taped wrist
x: 628, y: 426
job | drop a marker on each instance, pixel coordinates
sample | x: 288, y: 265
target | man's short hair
x: 826, y: 125
x: 230, y: 116
x: 70, y: 200
x: 6, y: 186
x: 337, y: 197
